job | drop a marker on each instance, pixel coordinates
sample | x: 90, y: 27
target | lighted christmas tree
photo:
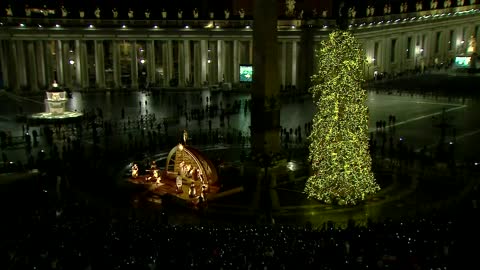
x: 339, y: 151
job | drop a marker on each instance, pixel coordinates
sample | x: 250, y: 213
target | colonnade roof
x: 55, y: 28
x: 305, y: 8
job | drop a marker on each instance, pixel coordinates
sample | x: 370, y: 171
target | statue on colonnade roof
x: 290, y: 8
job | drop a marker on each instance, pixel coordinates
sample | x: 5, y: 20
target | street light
x: 370, y: 62
x: 418, y: 53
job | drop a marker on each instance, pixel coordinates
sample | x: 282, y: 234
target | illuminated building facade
x: 185, y: 46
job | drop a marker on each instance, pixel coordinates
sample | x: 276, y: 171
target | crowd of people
x: 79, y: 236
x: 207, y: 122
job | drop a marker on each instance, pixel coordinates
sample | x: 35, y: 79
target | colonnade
x: 30, y: 62
x: 24, y: 65
x: 96, y: 63
x: 418, y: 49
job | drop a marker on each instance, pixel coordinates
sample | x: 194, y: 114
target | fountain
x: 56, y: 102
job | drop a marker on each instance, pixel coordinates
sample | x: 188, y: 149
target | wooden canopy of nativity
x: 194, y: 159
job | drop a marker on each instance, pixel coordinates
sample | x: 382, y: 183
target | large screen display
x: 246, y: 73
x: 463, y: 61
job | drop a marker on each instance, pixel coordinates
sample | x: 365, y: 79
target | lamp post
x: 72, y: 71
x: 369, y: 64
x: 461, y: 48
x: 418, y: 53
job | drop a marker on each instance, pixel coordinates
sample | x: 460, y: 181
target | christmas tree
x: 339, y: 148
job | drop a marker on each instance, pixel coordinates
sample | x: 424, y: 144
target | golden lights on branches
x: 339, y: 153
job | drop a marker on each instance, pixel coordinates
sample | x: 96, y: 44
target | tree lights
x: 339, y: 154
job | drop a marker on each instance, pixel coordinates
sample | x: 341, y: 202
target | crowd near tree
x: 79, y: 236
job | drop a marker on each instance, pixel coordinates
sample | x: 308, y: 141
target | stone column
x: 59, y: 57
x: 388, y: 62
x: 167, y: 55
x: 443, y: 48
x: 14, y: 79
x: 151, y: 72
x: 385, y: 59
x: 236, y: 61
x: 170, y: 69
x: 4, y: 62
x: 228, y: 61
x: 284, y: 64
x: 134, y: 65
x: 196, y: 64
x: 81, y: 63
x: 398, y: 48
x: 183, y: 62
x: 99, y: 64
x: 85, y: 74
x: 430, y: 48
x: 468, y: 31
x: 40, y: 51
x: 180, y: 65
x: 265, y: 115
x: 32, y: 66
x: 165, y: 63
x: 78, y: 63
x: 401, y: 51
x: 21, y: 67
x: 220, y: 60
x: 294, y: 62
x: 188, y: 60
x: 212, y: 73
x: 203, y: 61
x: 424, y: 38
x: 116, y: 64
x: 49, y: 76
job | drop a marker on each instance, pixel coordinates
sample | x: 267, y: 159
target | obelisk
x: 265, y: 114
